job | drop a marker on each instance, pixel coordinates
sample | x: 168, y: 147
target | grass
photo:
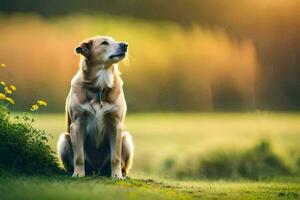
x: 174, y: 135
x: 86, y: 188
x: 161, y: 136
x: 34, y: 187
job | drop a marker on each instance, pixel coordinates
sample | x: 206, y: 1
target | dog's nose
x: 123, y: 46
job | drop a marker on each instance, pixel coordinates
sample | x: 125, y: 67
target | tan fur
x: 91, y: 122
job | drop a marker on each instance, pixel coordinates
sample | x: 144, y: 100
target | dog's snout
x: 123, y: 46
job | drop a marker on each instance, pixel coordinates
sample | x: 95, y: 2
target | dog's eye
x: 104, y: 43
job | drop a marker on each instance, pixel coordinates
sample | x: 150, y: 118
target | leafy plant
x: 23, y: 148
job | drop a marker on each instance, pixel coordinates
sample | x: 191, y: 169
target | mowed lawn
x: 161, y: 136
x: 97, y: 188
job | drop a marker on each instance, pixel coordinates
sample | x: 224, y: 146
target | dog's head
x: 103, y: 51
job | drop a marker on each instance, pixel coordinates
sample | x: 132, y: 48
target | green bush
x: 256, y: 163
x: 261, y: 162
x: 24, y: 149
x: 219, y: 165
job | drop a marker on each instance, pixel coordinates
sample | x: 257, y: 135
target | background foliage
x: 185, y: 55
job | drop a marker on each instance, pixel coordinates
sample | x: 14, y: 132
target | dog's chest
x: 104, y: 79
x: 98, y: 120
x: 96, y: 95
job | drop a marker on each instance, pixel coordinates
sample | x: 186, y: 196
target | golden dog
x: 96, y: 141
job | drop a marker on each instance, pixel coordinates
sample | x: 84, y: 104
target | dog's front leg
x: 77, y: 140
x: 116, y: 148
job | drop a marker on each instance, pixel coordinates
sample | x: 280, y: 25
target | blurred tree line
x: 273, y: 26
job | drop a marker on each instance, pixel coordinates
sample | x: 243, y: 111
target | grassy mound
x: 256, y: 163
x: 259, y: 162
x: 24, y: 149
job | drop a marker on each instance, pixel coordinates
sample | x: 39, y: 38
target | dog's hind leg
x: 65, y: 152
x: 127, y: 153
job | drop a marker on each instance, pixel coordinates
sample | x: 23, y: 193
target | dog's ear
x: 85, y: 48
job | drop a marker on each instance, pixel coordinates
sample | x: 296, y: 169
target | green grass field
x: 160, y: 136
x: 36, y: 188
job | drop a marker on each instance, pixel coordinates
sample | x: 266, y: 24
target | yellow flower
x: 13, y: 88
x: 3, y: 83
x: 7, y: 90
x: 10, y: 100
x: 34, y: 107
x: 3, y: 65
x: 42, y: 103
x: 2, y: 96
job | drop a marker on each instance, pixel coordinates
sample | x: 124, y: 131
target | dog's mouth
x: 119, y: 55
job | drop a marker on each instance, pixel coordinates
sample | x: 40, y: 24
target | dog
x: 96, y: 140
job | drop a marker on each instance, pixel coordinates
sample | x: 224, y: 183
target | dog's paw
x: 124, y: 174
x: 117, y: 176
x: 78, y: 172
